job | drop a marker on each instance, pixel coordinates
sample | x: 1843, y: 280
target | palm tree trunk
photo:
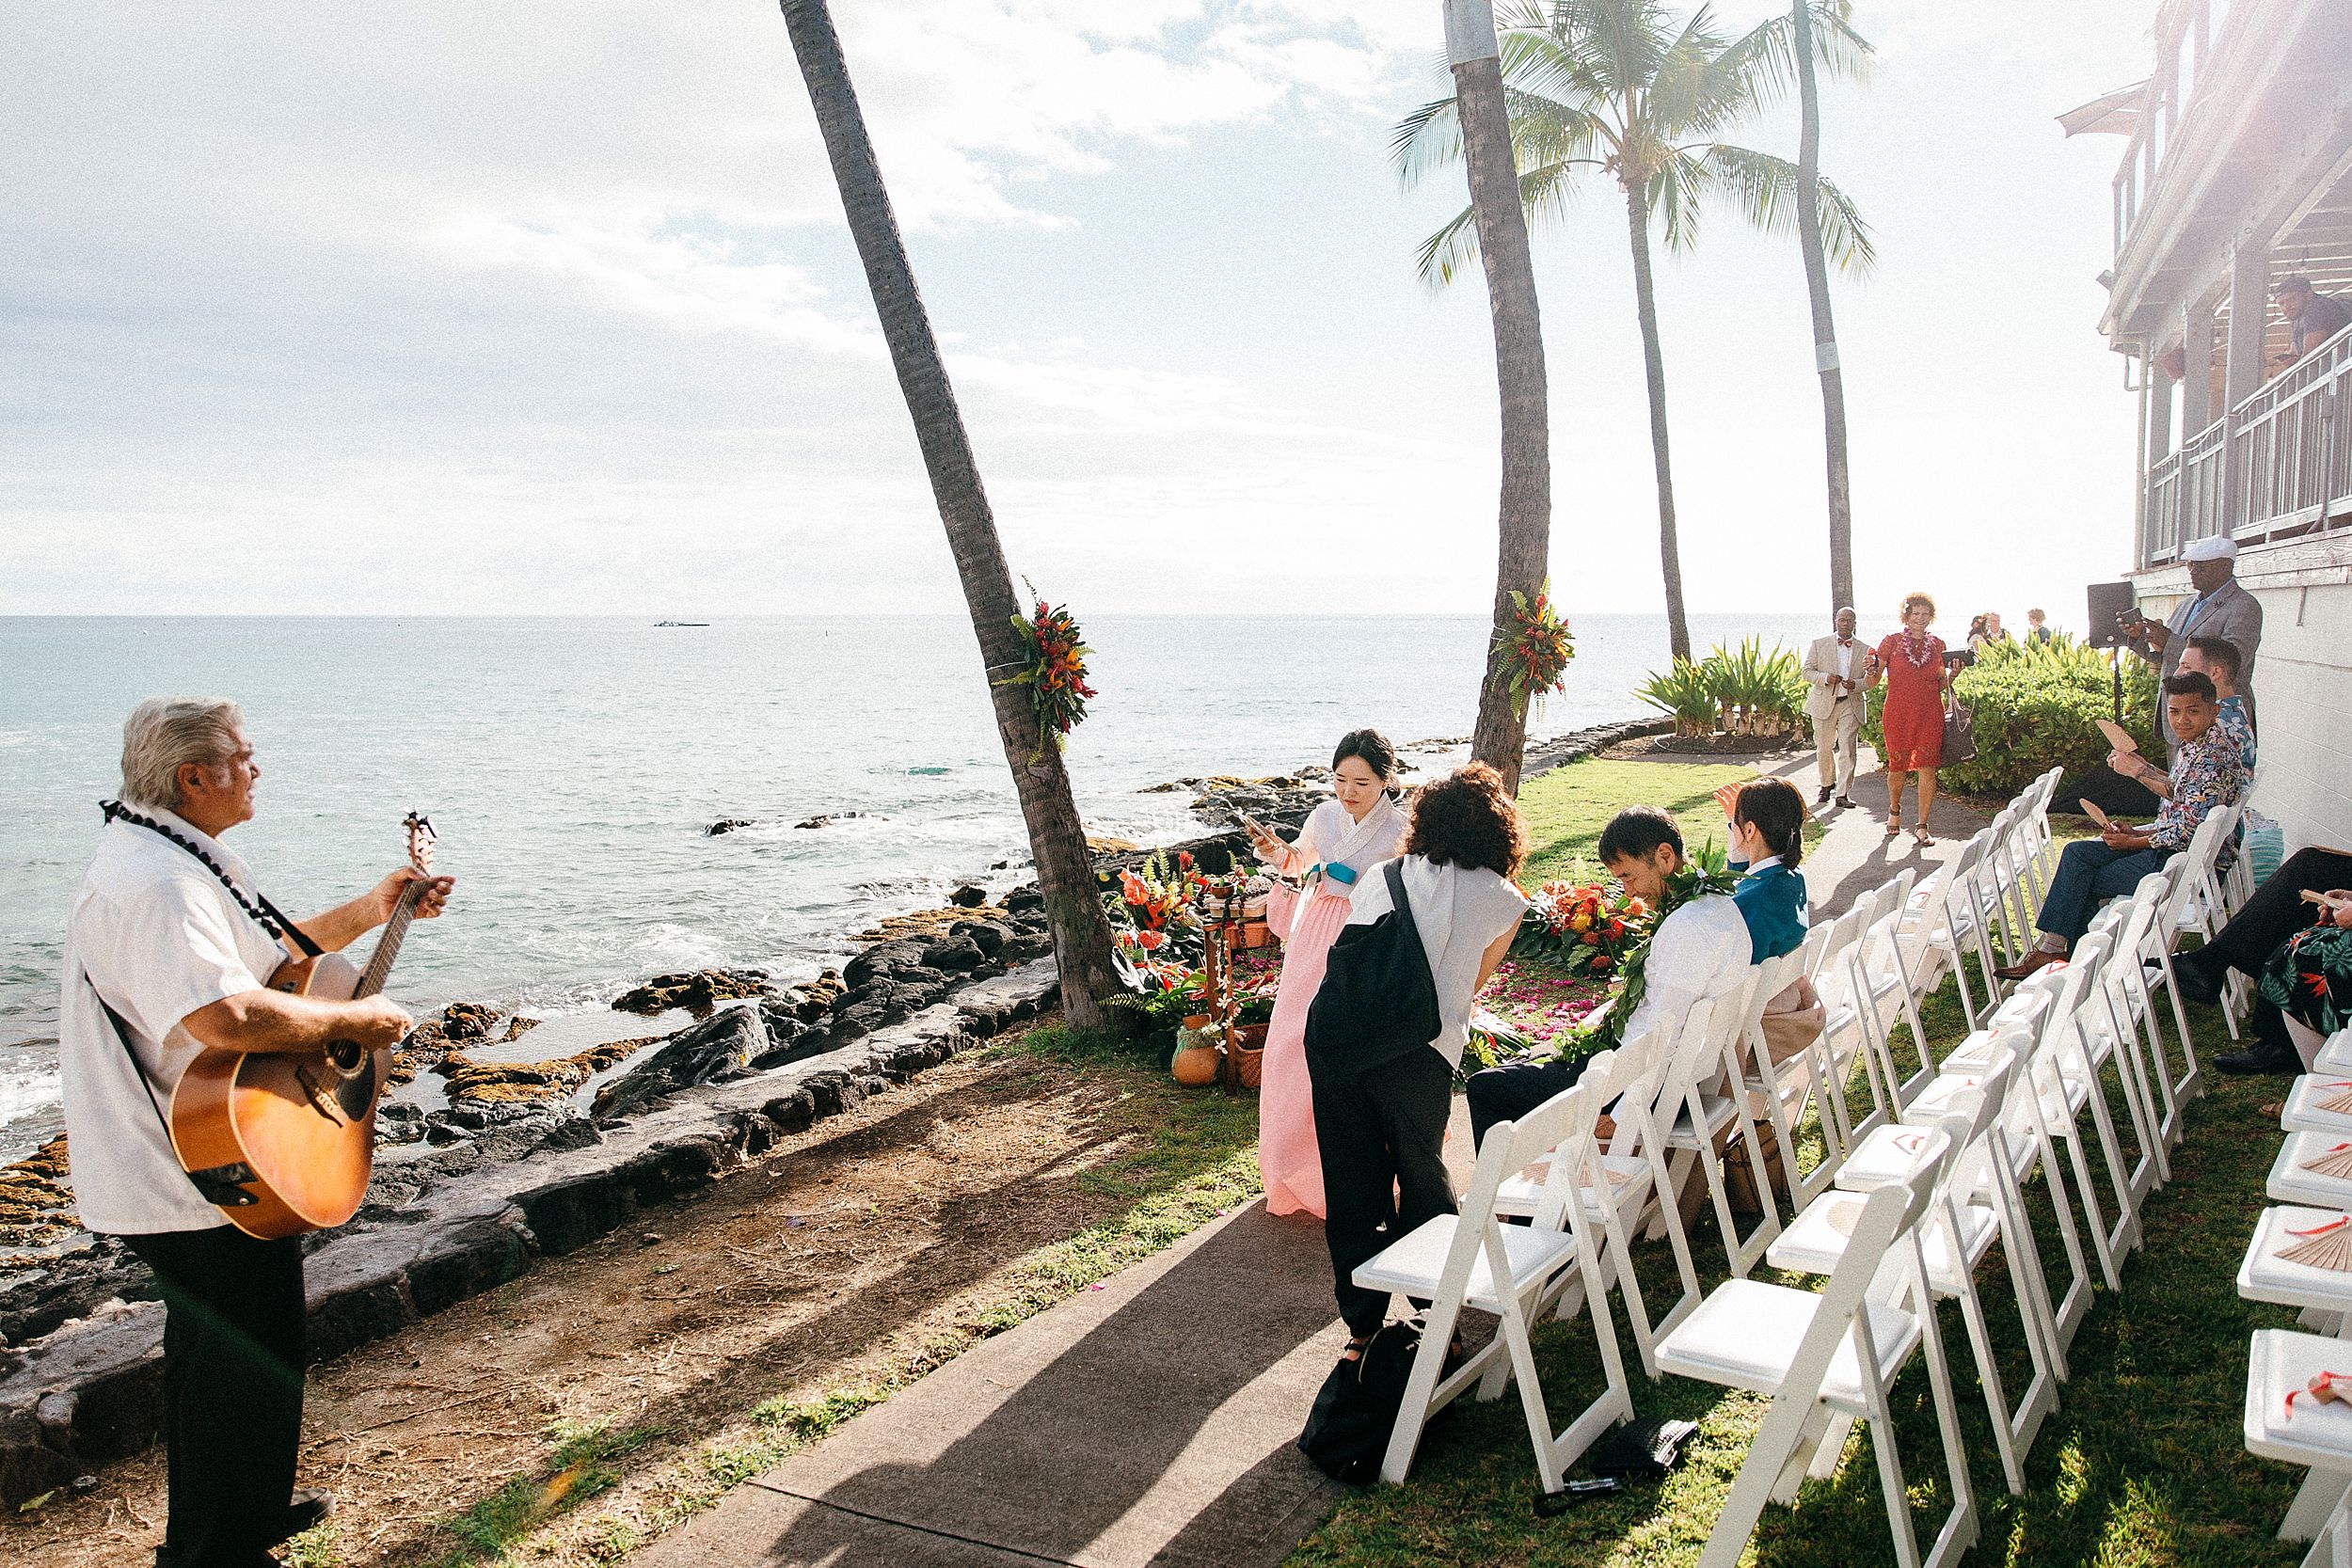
x: 1523, y: 553
x: 1654, y: 365
x: 1065, y: 875
x: 1824, y: 329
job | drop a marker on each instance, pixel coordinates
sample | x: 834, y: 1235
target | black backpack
x: 1347, y: 1432
x: 1377, y: 1001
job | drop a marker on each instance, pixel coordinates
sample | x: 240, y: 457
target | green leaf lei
x: 1605, y: 1029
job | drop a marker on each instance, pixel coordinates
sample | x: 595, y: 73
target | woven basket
x: 1250, y: 1053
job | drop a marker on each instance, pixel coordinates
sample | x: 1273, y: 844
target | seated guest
x: 2205, y: 774
x: 2307, y: 978
x: 1699, y: 951
x: 2274, y: 915
x: 1768, y: 837
x: 2038, y: 628
x: 2217, y: 660
x: 1380, y: 1133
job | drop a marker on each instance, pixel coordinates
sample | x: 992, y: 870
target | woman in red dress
x: 1913, y: 719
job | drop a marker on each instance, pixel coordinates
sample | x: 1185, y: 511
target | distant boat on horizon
x: 658, y: 625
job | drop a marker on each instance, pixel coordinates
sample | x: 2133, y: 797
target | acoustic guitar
x: 285, y: 1142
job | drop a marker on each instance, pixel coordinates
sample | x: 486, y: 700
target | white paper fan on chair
x: 2339, y: 1103
x: 1845, y: 1213
x: 2325, y: 1246
x: 2337, y: 1162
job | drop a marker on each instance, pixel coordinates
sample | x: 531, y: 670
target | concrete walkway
x: 1150, y: 1421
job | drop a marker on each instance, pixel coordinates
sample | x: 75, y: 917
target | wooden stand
x: 1220, y: 933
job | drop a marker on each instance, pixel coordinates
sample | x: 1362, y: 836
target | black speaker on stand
x: 2111, y: 604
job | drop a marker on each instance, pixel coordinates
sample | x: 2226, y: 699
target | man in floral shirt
x: 2207, y: 771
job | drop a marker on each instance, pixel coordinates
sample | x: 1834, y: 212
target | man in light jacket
x: 2220, y: 607
x: 1834, y: 678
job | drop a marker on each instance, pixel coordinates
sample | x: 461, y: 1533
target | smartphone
x: 1251, y: 824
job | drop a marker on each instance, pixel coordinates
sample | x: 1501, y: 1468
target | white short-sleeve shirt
x: 159, y: 937
x: 1460, y: 911
x: 1700, y: 952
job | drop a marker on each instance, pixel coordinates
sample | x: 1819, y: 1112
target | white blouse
x: 1330, y: 834
x: 1459, y: 912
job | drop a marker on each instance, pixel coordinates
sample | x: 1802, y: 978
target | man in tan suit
x: 1836, y: 669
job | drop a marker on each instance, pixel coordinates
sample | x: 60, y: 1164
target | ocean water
x: 571, y: 766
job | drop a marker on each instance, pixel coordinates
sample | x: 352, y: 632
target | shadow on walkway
x: 1147, y: 1422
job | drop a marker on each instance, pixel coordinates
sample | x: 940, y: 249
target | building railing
x: 2276, y: 465
x: 2184, y: 46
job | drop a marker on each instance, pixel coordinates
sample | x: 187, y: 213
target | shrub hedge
x: 2037, y: 707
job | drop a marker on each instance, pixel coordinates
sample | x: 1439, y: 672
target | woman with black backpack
x: 1387, y: 1025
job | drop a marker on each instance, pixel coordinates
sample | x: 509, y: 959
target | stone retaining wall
x: 91, y: 1392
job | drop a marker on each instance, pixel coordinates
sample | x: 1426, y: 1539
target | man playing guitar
x: 166, y: 954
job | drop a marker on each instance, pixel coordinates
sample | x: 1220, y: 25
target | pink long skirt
x: 1288, y: 1157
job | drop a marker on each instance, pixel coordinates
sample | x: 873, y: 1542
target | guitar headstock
x: 420, y: 841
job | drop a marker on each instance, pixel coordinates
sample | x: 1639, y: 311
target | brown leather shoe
x: 2040, y: 959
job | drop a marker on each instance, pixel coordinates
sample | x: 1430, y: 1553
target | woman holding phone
x: 1342, y: 839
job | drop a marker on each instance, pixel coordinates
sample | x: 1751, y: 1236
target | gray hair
x: 164, y: 734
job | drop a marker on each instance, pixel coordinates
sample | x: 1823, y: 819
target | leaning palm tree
x: 1065, y: 875
x: 1523, y: 544
x: 1615, y: 84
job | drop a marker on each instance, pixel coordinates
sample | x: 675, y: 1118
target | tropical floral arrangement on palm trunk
x: 1538, y: 651
x: 1055, y: 672
x: 1588, y: 928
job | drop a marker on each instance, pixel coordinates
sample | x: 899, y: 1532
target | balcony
x: 2187, y: 31
x: 2277, y: 465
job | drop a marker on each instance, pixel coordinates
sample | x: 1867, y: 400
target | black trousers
x: 232, y: 1390
x: 1382, y: 1137
x: 2276, y: 912
x: 2110, y: 791
x: 1508, y: 1092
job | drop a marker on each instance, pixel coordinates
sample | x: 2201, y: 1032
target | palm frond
x: 1765, y: 56
x: 1765, y: 188
x: 1427, y: 139
x: 1674, y: 190
x: 1544, y: 194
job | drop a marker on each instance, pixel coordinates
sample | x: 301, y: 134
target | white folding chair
x: 1704, y: 1113
x: 1948, y: 921
x: 1974, y: 1204
x: 1827, y: 1360
x: 2156, y: 949
x: 1783, y: 1089
x: 2283, y: 1422
x: 1477, y: 1259
x: 1624, y: 1185
x: 2323, y: 1295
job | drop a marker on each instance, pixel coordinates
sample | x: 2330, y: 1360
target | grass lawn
x: 2142, y: 1463
x: 1567, y: 807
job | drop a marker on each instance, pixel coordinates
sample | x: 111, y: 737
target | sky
x: 477, y: 307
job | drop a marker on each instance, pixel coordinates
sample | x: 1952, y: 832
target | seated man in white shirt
x: 1700, y: 951
x: 167, y: 952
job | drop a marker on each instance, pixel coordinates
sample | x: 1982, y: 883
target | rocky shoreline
x: 523, y: 1160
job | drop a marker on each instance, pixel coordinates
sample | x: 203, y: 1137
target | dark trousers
x: 2276, y: 912
x: 1508, y: 1092
x: 2089, y: 874
x: 232, y: 1390
x: 2110, y: 791
x: 1382, y: 1137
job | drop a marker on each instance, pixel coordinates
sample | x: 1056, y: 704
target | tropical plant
x: 1686, y: 693
x: 1523, y: 532
x: 1742, y: 690
x: 1065, y: 875
x: 1618, y: 85
x: 1755, y: 692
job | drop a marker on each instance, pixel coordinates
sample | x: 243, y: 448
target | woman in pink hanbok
x: 1343, y: 838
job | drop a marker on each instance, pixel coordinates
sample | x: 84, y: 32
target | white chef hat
x: 2219, y: 546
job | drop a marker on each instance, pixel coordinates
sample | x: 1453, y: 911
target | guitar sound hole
x: 357, y: 1093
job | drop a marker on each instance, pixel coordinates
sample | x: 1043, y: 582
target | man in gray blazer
x: 2219, y: 607
x: 1835, y: 671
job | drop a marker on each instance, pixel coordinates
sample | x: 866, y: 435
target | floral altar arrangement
x: 1538, y: 649
x: 1588, y: 927
x: 1055, y: 672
